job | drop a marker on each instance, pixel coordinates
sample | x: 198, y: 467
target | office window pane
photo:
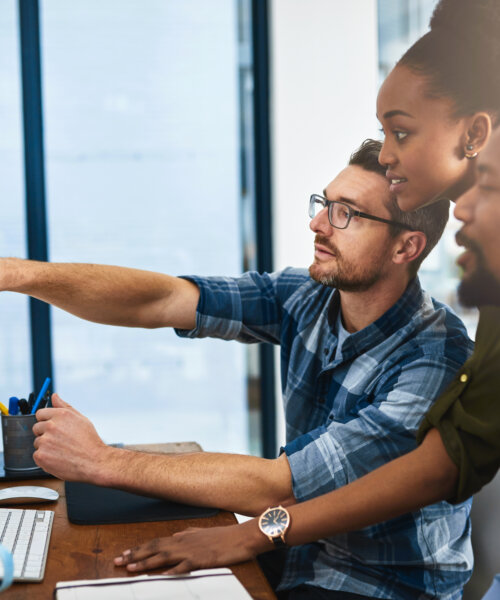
x: 15, y: 360
x: 142, y: 151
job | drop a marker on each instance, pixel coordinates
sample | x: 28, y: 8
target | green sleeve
x: 467, y: 414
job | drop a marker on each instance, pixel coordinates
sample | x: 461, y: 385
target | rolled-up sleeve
x: 247, y: 308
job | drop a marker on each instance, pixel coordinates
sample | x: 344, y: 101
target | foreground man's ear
x: 410, y: 246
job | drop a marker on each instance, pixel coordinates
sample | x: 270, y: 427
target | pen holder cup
x: 18, y: 437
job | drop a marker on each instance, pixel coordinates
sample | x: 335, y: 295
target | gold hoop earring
x: 469, y: 152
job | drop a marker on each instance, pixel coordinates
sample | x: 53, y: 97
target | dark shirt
x: 467, y: 414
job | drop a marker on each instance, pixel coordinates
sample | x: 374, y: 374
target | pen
x: 45, y: 400
x: 13, y: 405
x: 3, y: 409
x: 40, y: 395
x: 31, y: 401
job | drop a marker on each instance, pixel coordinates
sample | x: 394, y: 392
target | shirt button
x: 330, y: 417
x: 325, y: 351
x: 463, y: 378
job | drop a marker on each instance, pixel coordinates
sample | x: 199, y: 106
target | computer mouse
x: 27, y: 494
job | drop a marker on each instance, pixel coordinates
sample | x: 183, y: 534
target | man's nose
x: 465, y: 205
x: 320, y: 223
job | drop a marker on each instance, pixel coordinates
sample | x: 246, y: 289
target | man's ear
x: 409, y: 247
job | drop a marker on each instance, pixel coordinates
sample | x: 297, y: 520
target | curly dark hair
x: 460, y: 56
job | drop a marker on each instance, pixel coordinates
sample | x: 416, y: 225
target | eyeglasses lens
x: 339, y: 215
x: 316, y: 205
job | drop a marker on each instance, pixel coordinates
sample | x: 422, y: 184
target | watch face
x: 274, y: 521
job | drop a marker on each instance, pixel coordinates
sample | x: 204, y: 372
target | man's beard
x: 346, y: 277
x: 479, y: 288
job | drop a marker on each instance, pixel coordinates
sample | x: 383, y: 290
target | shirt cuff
x: 219, y: 310
x: 315, y: 464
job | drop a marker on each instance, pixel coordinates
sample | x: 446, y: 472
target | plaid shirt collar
x: 386, y: 325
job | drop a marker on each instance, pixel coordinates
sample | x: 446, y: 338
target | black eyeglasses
x: 340, y: 213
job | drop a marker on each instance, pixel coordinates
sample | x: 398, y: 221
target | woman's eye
x: 400, y: 135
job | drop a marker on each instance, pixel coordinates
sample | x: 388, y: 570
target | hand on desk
x: 67, y: 444
x: 196, y: 548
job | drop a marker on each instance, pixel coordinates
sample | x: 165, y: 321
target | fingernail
x: 126, y: 552
x: 118, y: 560
x: 132, y: 566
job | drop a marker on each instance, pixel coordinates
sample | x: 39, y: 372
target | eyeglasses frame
x: 352, y: 213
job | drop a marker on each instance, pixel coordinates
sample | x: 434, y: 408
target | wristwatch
x: 274, y: 522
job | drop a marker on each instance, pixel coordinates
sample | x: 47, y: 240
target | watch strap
x: 279, y: 542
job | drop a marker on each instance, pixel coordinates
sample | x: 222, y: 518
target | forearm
x: 238, y: 483
x: 105, y: 294
x: 419, y: 478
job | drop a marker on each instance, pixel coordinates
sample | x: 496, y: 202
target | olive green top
x: 467, y: 414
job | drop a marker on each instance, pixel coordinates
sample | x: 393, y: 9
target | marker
x: 24, y: 406
x: 40, y: 395
x: 13, y: 405
x: 3, y: 409
x: 31, y: 401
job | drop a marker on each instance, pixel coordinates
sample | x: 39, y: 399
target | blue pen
x: 13, y: 405
x: 40, y: 395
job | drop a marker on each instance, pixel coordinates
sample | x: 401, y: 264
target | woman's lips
x: 396, y: 182
x: 397, y: 185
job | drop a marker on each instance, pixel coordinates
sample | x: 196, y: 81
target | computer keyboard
x: 26, y: 533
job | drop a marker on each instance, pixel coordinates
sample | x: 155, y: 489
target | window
x: 14, y: 350
x: 146, y: 110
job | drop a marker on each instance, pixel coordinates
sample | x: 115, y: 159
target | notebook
x: 209, y: 584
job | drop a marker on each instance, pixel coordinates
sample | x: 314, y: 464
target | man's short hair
x: 430, y: 219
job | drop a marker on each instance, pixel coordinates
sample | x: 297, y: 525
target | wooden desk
x: 87, y: 551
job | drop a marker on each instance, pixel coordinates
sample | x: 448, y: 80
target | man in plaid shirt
x: 364, y: 351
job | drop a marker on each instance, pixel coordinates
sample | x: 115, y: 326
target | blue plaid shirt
x: 347, y: 414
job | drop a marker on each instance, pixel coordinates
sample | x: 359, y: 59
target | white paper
x: 208, y: 584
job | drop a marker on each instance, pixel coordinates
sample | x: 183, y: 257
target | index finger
x: 44, y: 414
x: 139, y: 552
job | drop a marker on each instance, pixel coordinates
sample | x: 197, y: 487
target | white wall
x: 323, y: 91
